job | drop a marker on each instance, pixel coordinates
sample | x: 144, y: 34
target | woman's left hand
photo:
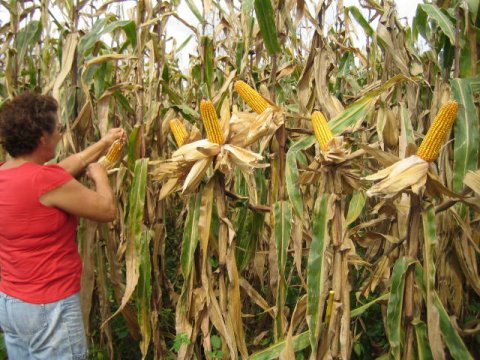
x: 114, y: 134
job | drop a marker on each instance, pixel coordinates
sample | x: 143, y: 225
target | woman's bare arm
x: 76, y: 199
x: 77, y: 163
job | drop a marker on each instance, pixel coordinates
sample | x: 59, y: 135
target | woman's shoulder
x: 50, y: 176
x: 52, y: 171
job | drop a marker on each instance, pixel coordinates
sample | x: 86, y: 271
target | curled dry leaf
x: 332, y: 169
x: 407, y: 173
x: 472, y: 180
x: 246, y: 128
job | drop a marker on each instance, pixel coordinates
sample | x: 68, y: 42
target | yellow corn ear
x: 251, y: 97
x: 115, y: 151
x: 211, y: 123
x: 430, y: 147
x: 113, y: 154
x: 328, y: 312
x: 321, y: 129
x: 179, y: 131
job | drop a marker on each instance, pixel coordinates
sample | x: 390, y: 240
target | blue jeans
x: 43, y: 331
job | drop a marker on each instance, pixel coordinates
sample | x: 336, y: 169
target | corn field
x: 273, y: 199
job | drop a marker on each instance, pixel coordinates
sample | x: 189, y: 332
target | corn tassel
x: 113, y: 154
x: 251, y: 97
x: 179, y: 131
x: 430, y: 147
x: 321, y: 129
x: 211, y: 123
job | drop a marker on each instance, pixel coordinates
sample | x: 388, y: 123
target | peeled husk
x: 409, y: 173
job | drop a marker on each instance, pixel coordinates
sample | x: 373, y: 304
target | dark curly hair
x: 24, y: 119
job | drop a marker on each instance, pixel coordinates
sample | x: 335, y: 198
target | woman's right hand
x: 96, y: 171
x: 114, y: 134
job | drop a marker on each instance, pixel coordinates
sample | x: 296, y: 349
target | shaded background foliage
x: 141, y: 290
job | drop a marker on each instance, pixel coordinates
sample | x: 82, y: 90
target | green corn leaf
x: 452, y: 339
x: 429, y: 244
x: 282, y: 228
x: 454, y: 342
x: 473, y: 9
x: 87, y: 42
x: 423, y: 347
x: 359, y: 109
x: 358, y: 16
x: 106, y: 26
x: 132, y: 145
x: 247, y: 6
x: 174, y: 98
x: 443, y: 21
x: 316, y: 269
x: 135, y: 229
x: 184, y: 43
x: 395, y: 305
x: 195, y: 11
x: 420, y: 24
x: 292, y: 174
x: 300, y: 342
x: 266, y: 21
x: 346, y: 62
x: 361, y: 309
x: 208, y: 62
x: 123, y: 102
x: 466, y: 147
x: 137, y: 201
x: 27, y: 37
x: 187, y: 112
x: 144, y: 293
x: 239, y: 55
x: 190, y: 234
x: 250, y: 224
x: 406, y: 124
x: 128, y: 26
x: 355, y: 207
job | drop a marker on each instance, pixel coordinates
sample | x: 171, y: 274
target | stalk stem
x: 413, y: 241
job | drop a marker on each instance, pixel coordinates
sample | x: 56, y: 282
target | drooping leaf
x: 190, y: 234
x: 282, y: 227
x: 135, y: 230
x: 355, y: 207
x: 359, y: 109
x: 208, y: 62
x: 266, y: 21
x: 443, y: 21
x: 292, y: 174
x: 358, y: 16
x: 429, y: 244
x: 195, y: 11
x: 27, y: 37
x: 423, y: 347
x: 467, y: 137
x: 300, y: 342
x: 144, y: 292
x: 452, y: 339
x: 395, y: 305
x: 316, y: 270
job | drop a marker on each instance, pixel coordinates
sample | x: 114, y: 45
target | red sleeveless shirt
x: 39, y: 259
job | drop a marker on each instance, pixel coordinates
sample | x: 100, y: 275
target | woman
x: 40, y: 266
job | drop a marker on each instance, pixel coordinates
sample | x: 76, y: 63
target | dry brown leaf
x: 472, y: 180
x: 195, y: 175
